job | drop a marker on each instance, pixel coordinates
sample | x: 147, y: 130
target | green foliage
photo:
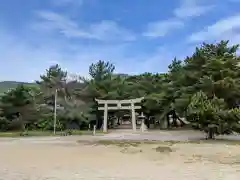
x: 18, y: 106
x: 204, y: 87
x: 4, y: 123
x: 101, y: 70
x: 204, y: 111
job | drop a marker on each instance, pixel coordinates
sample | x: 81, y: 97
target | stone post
x: 105, y: 117
x: 94, y: 130
x: 133, y: 117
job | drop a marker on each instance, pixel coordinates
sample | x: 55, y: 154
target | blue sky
x: 136, y: 35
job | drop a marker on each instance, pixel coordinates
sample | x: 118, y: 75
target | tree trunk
x: 175, y: 124
x: 211, y: 130
x: 98, y: 120
x: 164, y: 123
x: 210, y: 134
x: 168, y: 122
x: 118, y: 120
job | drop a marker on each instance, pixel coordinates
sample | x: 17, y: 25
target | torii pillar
x: 119, y: 106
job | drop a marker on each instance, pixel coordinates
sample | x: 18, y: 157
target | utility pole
x: 55, y: 113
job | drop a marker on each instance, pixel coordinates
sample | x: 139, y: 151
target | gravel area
x: 177, y: 135
x: 63, y: 158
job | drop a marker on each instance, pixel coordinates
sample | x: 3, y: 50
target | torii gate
x: 119, y: 106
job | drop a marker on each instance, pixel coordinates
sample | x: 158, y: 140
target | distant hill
x: 5, y: 85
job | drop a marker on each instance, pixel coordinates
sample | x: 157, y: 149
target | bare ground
x: 68, y: 158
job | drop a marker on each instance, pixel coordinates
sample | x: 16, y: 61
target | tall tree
x: 100, y: 70
x: 54, y: 80
x: 98, y: 86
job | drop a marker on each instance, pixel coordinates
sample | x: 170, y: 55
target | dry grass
x: 135, y: 143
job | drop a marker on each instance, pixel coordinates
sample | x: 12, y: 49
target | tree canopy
x: 204, y: 88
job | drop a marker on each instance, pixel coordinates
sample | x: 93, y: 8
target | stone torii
x: 119, y: 105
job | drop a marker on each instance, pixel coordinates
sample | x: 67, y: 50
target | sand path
x: 65, y: 159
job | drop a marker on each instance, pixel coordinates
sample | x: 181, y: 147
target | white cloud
x: 187, y: 9
x: 22, y: 61
x: 162, y: 28
x: 192, y: 8
x: 228, y: 28
x: 103, y: 31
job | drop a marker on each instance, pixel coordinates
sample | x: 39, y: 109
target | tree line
x: 204, y: 88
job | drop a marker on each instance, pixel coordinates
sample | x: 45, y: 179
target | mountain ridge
x: 6, y: 85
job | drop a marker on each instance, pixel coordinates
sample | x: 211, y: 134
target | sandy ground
x: 64, y: 158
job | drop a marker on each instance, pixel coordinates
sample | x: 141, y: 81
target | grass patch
x: 85, y: 132
x: 131, y: 150
x: 122, y: 143
x: 29, y: 133
x: 215, y: 141
x: 45, y: 133
x: 133, y: 147
x: 136, y: 143
x: 164, y: 149
x: 204, y: 141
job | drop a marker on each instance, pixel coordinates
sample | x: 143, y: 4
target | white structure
x: 143, y: 125
x: 119, y: 105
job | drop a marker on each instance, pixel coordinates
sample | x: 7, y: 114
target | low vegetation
x: 46, y: 133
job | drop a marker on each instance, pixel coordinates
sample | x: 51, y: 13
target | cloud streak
x: 162, y: 28
x: 187, y: 9
x: 192, y: 8
x: 105, y: 30
x: 227, y: 28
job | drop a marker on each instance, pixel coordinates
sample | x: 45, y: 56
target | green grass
x: 45, y: 133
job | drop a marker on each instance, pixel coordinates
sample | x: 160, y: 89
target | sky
x: 135, y: 35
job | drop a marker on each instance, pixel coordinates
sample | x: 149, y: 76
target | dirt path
x: 63, y: 158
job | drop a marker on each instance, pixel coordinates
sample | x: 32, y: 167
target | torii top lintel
x: 137, y: 100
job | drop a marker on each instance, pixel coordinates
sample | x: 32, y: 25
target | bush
x: 206, y: 113
x: 4, y: 123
